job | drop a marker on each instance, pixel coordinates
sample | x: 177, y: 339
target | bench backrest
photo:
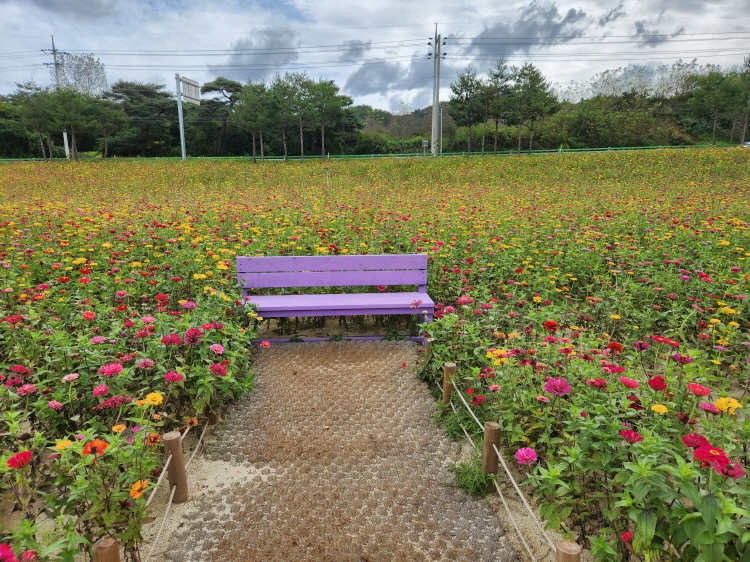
x: 333, y: 271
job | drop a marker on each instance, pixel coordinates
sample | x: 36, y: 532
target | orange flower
x: 192, y: 422
x: 153, y: 438
x: 137, y: 489
x: 95, y: 447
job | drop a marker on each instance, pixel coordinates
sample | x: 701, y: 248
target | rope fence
x: 107, y: 549
x: 565, y: 551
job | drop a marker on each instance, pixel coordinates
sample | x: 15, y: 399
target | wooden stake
x: 449, y: 369
x: 489, y: 456
x: 107, y: 549
x: 176, y: 470
x: 567, y: 551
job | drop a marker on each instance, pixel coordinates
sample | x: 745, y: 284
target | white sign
x: 191, y: 91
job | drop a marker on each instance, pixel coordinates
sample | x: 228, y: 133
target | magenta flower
x: 526, y: 456
x: 173, y: 376
x: 557, y: 386
x: 101, y: 390
x: 97, y: 339
x: 710, y: 408
x: 171, y: 339
x: 144, y: 364
x: 217, y: 348
x: 682, y: 359
x: 148, y: 319
x: 265, y: 344
x: 189, y: 304
x: 110, y: 369
x: 55, y: 405
x: 193, y: 336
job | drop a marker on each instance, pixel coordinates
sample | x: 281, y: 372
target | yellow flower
x: 64, y: 444
x: 615, y: 316
x: 660, y: 408
x: 118, y: 428
x: 733, y: 324
x: 137, y: 489
x: 513, y: 335
x: 154, y: 398
x: 727, y: 404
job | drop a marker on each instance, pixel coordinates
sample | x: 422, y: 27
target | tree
x: 715, y: 93
x: 108, y: 119
x: 73, y: 111
x: 227, y: 95
x: 36, y: 113
x: 329, y: 108
x: 283, y: 92
x: 465, y: 105
x: 497, y: 90
x: 254, y: 111
x: 82, y: 73
x: 15, y: 140
x: 531, y: 98
x: 153, y: 114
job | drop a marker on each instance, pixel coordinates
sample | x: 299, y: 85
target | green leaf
x: 645, y: 528
x: 709, y: 507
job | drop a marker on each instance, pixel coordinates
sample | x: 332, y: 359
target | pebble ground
x: 334, y: 457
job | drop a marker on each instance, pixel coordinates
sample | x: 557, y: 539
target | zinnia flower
x: 631, y: 436
x: 95, y: 447
x: 557, y: 387
x: 710, y: 408
x: 173, y: 376
x: 265, y: 344
x: 630, y: 383
x: 657, y: 382
x: 154, y: 398
x: 526, y: 456
x: 101, y: 390
x: 709, y: 455
x: 71, y: 377
x: 217, y: 348
x: 477, y: 400
x: 218, y: 369
x: 64, y: 444
x: 137, y: 489
x: 698, y: 390
x: 19, y: 460
x: 88, y: 315
x: 693, y: 440
x: 27, y: 389
x: 171, y: 339
x: 110, y: 369
x: 726, y: 404
x: 54, y: 404
x: 660, y: 408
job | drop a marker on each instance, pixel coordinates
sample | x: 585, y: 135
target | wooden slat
x: 246, y: 264
x: 332, y: 278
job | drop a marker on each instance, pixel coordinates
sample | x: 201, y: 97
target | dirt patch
x: 333, y: 457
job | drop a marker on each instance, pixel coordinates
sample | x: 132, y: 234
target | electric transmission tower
x: 436, y: 55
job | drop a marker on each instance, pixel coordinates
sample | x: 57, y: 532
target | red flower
x: 95, y: 447
x: 657, y: 383
x: 709, y: 455
x: 470, y: 391
x: 218, y: 369
x: 614, y: 346
x: 627, y: 538
x: 171, y: 339
x: 694, y: 441
x: 630, y: 383
x: 599, y: 383
x: 88, y: 315
x: 19, y: 369
x: 19, y: 460
x: 730, y: 471
x: 550, y: 325
x: 477, y: 400
x: 631, y: 436
x: 698, y: 390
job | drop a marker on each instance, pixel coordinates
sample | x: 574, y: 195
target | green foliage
x: 469, y: 477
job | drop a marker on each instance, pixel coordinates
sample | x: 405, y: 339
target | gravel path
x: 332, y: 457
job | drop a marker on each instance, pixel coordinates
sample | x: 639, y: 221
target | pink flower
x: 710, y: 408
x: 148, y: 319
x: 97, y: 339
x: 698, y: 390
x: 110, y: 369
x: 218, y: 369
x: 449, y: 309
x: 526, y: 456
x: 477, y: 400
x: 542, y: 398
x: 6, y: 554
x: 193, y: 336
x: 26, y: 390
x: 101, y: 390
x: 736, y: 471
x: 189, y: 305
x: 381, y: 288
x: 630, y: 383
x: 494, y: 387
x: 18, y: 369
x: 631, y: 436
x: 121, y: 293
x: 144, y: 364
x: 173, y: 376
x: 171, y: 339
x: 71, y: 377
x: 557, y: 386
x: 217, y: 348
x: 265, y: 344
x: 54, y: 404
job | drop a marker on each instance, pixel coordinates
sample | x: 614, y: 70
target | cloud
x: 380, y: 75
x: 540, y: 23
x: 652, y: 37
x: 355, y: 49
x: 260, y: 56
x: 89, y: 9
x: 612, y: 15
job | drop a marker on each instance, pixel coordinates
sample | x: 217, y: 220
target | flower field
x: 596, y: 306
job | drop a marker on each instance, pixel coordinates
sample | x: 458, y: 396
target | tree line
x: 510, y: 108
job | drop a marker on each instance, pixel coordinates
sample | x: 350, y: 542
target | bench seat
x: 348, y: 304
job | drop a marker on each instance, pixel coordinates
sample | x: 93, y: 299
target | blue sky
x: 376, y: 51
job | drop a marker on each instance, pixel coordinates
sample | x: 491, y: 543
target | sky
x: 376, y: 51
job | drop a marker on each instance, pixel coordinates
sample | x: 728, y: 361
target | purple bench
x: 336, y: 271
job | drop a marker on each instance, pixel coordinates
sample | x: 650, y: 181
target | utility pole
x: 437, y: 55
x: 57, y: 67
x: 179, y: 111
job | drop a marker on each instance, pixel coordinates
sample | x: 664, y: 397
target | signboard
x: 191, y: 91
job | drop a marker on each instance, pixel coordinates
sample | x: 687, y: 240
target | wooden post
x: 176, y: 470
x: 107, y: 549
x: 567, y: 551
x: 449, y: 369
x: 489, y: 456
